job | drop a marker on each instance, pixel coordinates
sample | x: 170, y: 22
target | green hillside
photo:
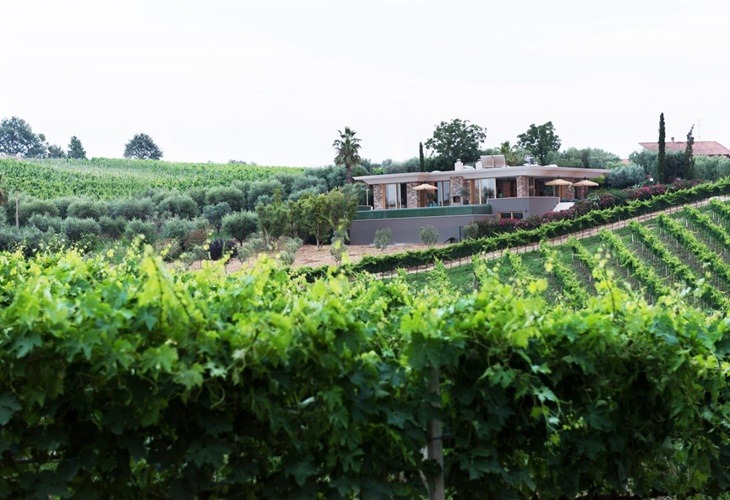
x: 688, y: 251
x: 117, y: 178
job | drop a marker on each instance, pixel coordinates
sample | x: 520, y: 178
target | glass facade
x: 443, y: 195
x: 486, y: 189
x: 395, y: 196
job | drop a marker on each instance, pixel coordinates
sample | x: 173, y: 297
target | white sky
x: 273, y: 81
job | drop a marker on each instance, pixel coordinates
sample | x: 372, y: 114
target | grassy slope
x: 462, y: 278
x: 113, y: 178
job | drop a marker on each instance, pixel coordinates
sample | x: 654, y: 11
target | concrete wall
x: 408, y: 229
x: 537, y: 205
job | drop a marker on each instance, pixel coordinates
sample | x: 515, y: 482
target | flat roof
x: 546, y: 171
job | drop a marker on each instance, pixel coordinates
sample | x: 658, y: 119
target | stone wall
x: 411, y: 195
x: 456, y: 184
x: 569, y: 191
x: 523, y: 186
x: 378, y: 197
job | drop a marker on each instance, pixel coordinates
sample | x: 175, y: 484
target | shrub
x: 63, y: 204
x: 179, y: 205
x: 141, y: 209
x: 470, y: 231
x: 45, y: 222
x: 230, y: 195
x: 176, y: 228
x: 112, y: 228
x: 77, y: 229
x: 28, y: 208
x: 198, y: 195
x: 240, y: 224
x: 219, y: 247
x: 87, y: 209
x: 27, y: 237
x: 625, y: 176
x: 244, y: 252
x: 286, y: 258
x: 429, y: 235
x: 290, y: 245
x: 256, y: 244
x: 136, y: 227
x: 194, y: 238
x: 382, y: 238
x: 338, y: 249
x: 169, y: 248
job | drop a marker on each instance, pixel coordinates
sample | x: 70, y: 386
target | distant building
x: 450, y: 200
x: 699, y: 148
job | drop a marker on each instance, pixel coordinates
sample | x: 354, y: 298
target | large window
x: 395, y: 196
x: 486, y: 189
x: 443, y: 195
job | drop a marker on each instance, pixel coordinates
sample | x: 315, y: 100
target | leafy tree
x: 17, y: 138
x: 689, y: 159
x: 625, y: 176
x: 348, y: 151
x: 540, y: 140
x: 583, y: 158
x: 56, y: 152
x: 647, y: 159
x: 456, y: 140
x: 674, y: 166
x: 234, y: 197
x: 215, y: 213
x: 240, y: 224
x: 274, y: 218
x: 661, y: 173
x: 76, y: 150
x: 142, y: 147
x: 343, y: 207
x: 314, y: 216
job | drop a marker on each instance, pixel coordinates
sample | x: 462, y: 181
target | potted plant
x: 465, y: 194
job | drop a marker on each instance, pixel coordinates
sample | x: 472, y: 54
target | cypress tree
x: 689, y: 159
x: 661, y: 157
x: 421, y: 159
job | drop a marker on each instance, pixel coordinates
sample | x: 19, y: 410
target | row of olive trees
x: 183, y: 220
x: 18, y: 139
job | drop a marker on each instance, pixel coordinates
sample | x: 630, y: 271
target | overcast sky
x: 272, y: 81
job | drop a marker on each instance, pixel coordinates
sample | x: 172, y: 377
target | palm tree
x: 510, y: 154
x: 347, y: 147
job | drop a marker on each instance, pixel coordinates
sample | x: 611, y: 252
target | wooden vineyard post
x: 435, y: 448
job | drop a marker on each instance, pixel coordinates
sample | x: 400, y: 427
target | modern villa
x: 452, y: 199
